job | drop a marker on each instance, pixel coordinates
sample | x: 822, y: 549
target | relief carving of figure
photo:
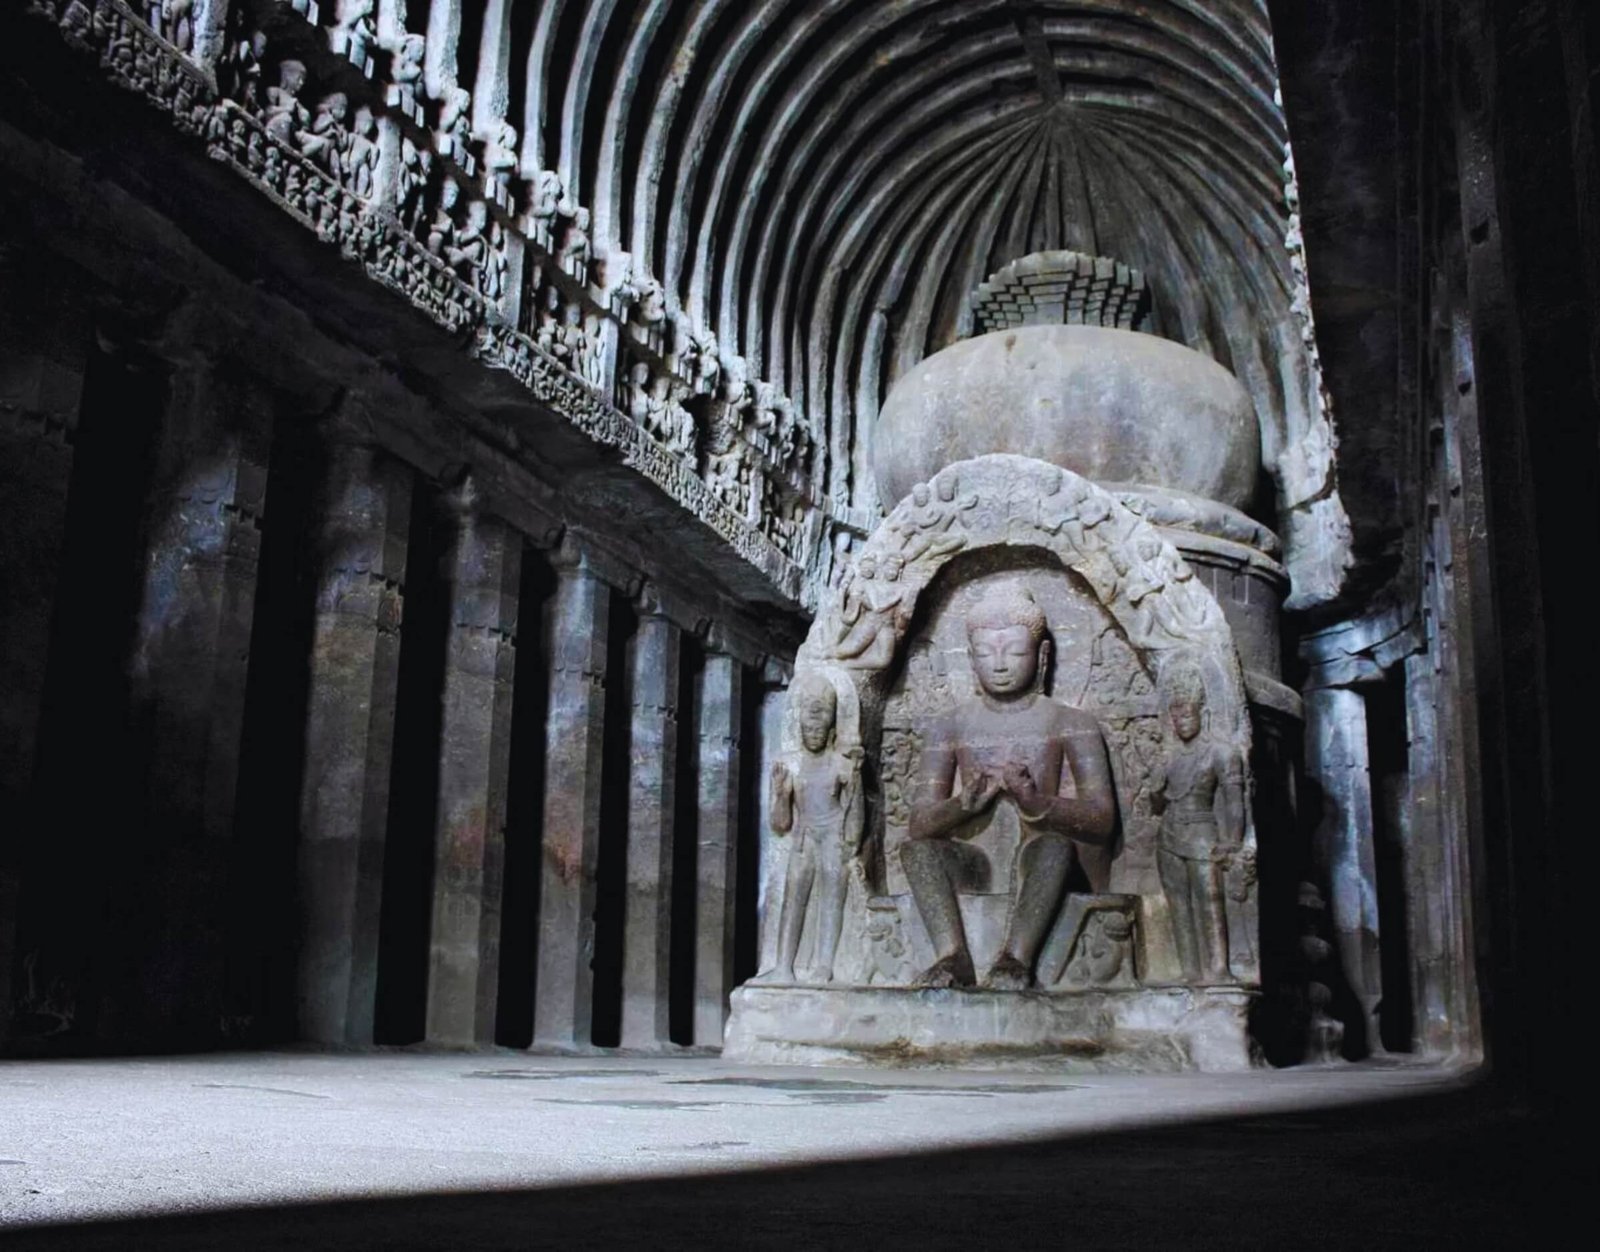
x: 723, y: 473
x: 455, y: 120
x: 243, y: 65
x: 405, y: 71
x: 930, y: 530
x: 1200, y: 800
x: 324, y: 142
x: 574, y: 250
x: 654, y: 406
x: 652, y: 305
x: 496, y: 271
x: 1015, y: 744
x: 500, y: 159
x: 471, y: 247
x: 415, y: 166
x: 546, y: 197
x: 1103, y: 955
x: 872, y: 614
x: 285, y: 116
x: 442, y: 230
x: 754, y: 490
x: 698, y: 348
x: 888, y: 957
x: 360, y: 157
x: 818, y: 804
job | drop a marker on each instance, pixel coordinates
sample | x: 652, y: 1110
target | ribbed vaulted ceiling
x: 822, y: 183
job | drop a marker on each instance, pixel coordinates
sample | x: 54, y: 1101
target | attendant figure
x: 818, y: 805
x: 1200, y: 800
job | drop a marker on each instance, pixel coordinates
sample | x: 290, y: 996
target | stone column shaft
x: 344, y: 811
x: 474, y: 769
x: 1337, y: 761
x: 574, y: 749
x: 721, y: 698
x: 188, y: 672
x: 652, y: 799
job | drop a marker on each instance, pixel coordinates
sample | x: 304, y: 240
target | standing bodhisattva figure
x: 819, y: 801
x: 1200, y: 799
x: 1046, y: 758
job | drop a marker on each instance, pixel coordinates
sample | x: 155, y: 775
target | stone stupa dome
x: 1114, y: 405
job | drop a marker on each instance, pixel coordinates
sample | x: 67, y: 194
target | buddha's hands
x: 1031, y: 802
x: 979, y: 792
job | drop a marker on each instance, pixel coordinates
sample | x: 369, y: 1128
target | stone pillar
x: 574, y: 748
x: 1435, y: 891
x: 485, y: 569
x: 721, y: 699
x: 361, y: 536
x: 652, y: 800
x: 1336, y: 764
x: 188, y: 670
x: 42, y: 352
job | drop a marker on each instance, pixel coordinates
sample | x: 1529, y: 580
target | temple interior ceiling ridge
x: 825, y: 185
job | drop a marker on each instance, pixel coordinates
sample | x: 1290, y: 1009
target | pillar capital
x: 776, y: 672
x: 722, y: 639
x: 576, y: 551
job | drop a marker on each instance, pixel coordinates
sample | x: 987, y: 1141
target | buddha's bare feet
x: 1008, y: 974
x: 950, y: 971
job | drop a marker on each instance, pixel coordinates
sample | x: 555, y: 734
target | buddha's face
x: 1185, y: 715
x: 1006, y: 659
x: 816, y: 721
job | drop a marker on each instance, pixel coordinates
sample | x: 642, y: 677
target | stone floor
x: 499, y: 1140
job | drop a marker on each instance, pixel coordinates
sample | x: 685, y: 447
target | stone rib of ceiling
x: 822, y: 183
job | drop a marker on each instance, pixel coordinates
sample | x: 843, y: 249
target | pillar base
x: 1147, y: 1030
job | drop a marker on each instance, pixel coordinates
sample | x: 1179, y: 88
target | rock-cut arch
x: 1170, y: 619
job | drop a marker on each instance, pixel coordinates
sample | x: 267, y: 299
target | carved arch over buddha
x: 1004, y: 501
x: 1048, y: 523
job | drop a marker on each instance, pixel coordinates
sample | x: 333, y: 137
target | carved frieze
x: 393, y: 176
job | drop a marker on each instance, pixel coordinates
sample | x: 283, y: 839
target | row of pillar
x: 204, y: 513
x: 355, y: 665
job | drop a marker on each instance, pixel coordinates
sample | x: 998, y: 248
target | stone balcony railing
x: 357, y: 128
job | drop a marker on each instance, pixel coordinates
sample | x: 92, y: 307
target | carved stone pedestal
x: 1148, y: 1030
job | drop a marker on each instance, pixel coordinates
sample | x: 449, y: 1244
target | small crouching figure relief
x: 871, y: 615
x: 1200, y: 800
x: 1103, y: 956
x: 1044, y: 757
x: 818, y: 803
